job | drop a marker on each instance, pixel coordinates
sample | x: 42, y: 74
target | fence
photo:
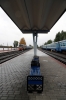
x: 7, y: 48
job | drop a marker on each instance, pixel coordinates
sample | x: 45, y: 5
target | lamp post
x: 3, y: 46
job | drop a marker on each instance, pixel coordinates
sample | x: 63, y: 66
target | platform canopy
x: 33, y: 16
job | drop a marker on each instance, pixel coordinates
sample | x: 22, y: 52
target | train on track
x: 24, y: 47
x: 56, y: 46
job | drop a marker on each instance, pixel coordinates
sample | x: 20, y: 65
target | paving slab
x: 13, y: 78
x: 54, y: 74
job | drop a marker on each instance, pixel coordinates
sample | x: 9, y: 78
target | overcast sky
x: 10, y: 32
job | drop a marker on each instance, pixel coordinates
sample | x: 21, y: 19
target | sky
x: 10, y: 32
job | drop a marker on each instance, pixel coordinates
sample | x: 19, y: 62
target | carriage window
x: 63, y: 44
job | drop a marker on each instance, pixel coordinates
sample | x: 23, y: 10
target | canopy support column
x: 35, y: 43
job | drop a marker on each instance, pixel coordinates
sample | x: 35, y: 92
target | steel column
x: 35, y: 43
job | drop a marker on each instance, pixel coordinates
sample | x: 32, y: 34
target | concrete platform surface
x: 13, y: 78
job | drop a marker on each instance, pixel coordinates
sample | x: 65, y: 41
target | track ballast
x: 9, y: 55
x: 59, y: 56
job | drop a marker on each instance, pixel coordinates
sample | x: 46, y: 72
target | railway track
x: 9, y: 55
x: 58, y: 56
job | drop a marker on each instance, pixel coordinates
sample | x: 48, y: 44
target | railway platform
x: 2, y: 51
x: 13, y: 78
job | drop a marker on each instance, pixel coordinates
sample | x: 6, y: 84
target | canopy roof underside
x: 34, y: 15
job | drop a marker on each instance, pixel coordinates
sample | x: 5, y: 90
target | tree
x: 60, y: 36
x: 48, y: 42
x: 15, y: 43
x: 22, y: 41
x: 57, y: 38
x: 45, y: 43
x: 63, y: 35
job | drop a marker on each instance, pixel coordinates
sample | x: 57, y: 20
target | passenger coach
x: 56, y: 46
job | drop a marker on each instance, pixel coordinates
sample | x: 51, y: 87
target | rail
x: 58, y: 56
x: 9, y: 55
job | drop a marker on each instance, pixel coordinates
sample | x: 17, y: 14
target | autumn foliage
x: 22, y: 41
